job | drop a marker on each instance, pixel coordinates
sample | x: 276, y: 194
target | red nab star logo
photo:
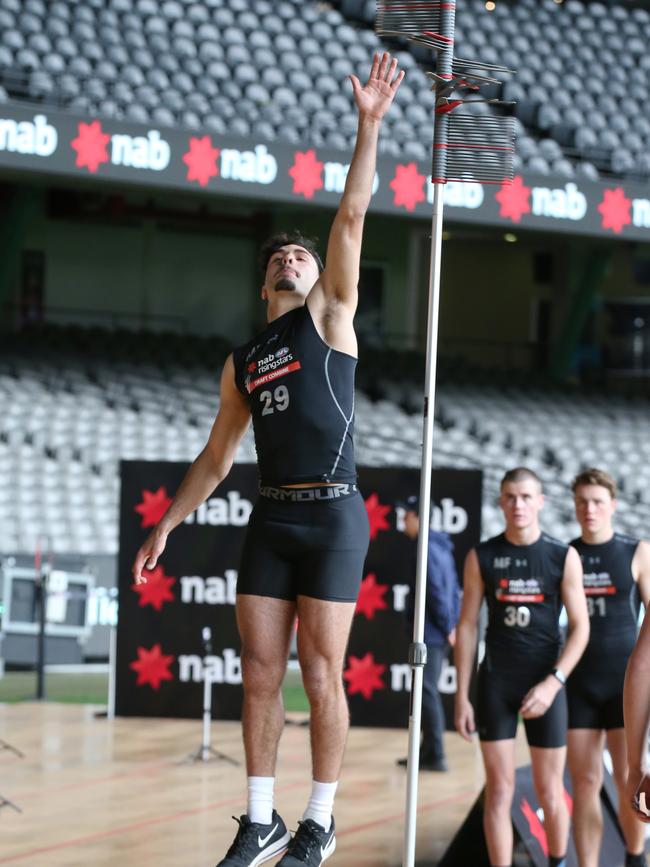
x: 90, y: 145
x: 364, y: 676
x: 306, y: 172
x: 408, y: 186
x: 514, y: 199
x: 252, y: 367
x: 376, y: 515
x: 503, y: 582
x: 157, y: 589
x: 152, y: 667
x: 153, y: 506
x: 371, y: 597
x: 201, y: 160
x: 615, y: 210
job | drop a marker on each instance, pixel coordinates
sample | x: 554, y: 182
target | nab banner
x: 161, y: 659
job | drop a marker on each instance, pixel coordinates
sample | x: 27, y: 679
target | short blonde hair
x: 521, y: 474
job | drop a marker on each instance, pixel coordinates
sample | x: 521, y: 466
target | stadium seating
x: 69, y: 417
x: 277, y: 69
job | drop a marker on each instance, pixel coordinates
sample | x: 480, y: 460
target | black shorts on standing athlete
x: 309, y: 541
x: 522, y: 586
x: 595, y: 687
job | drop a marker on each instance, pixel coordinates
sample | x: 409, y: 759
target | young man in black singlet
x: 308, y: 533
x: 525, y: 576
x: 616, y: 580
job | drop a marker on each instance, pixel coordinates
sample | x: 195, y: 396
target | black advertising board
x: 161, y: 661
x: 37, y: 140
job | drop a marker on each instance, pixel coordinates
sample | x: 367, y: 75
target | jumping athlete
x: 308, y: 533
x: 525, y: 576
x: 616, y: 580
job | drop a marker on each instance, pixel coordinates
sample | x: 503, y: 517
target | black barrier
x: 38, y: 140
x: 468, y: 846
x: 160, y: 659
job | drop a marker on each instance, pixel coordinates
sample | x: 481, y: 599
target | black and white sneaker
x: 256, y: 843
x: 311, y: 845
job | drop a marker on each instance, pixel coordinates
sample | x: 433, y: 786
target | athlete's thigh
x: 547, y: 765
x: 496, y: 708
x: 323, y: 631
x: 618, y: 751
x: 265, y: 568
x: 499, y: 762
x: 265, y: 626
x: 585, y: 754
x: 549, y: 731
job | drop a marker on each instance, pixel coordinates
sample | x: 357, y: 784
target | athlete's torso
x: 301, y: 396
x: 613, y: 600
x: 523, y: 594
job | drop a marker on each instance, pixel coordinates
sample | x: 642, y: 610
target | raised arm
x: 538, y: 700
x: 335, y: 294
x: 636, y: 710
x: 210, y: 468
x: 466, y: 640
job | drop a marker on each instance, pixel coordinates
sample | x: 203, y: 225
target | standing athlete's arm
x: 641, y: 571
x: 208, y: 470
x: 541, y: 696
x: 335, y: 294
x: 636, y: 709
x: 466, y: 641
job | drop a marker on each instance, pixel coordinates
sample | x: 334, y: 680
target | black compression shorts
x: 305, y: 547
x: 596, y: 702
x: 499, y: 698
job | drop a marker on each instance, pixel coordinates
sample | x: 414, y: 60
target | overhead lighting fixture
x: 510, y: 238
x: 491, y: 5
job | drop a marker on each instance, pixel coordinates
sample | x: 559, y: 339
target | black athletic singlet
x: 301, y: 395
x: 595, y: 687
x: 522, y: 585
x: 522, y: 590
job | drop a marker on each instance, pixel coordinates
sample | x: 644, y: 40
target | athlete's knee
x: 585, y: 781
x: 261, y: 674
x: 499, y: 793
x: 551, y: 795
x: 322, y: 680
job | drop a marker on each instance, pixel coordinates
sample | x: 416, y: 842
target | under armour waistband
x: 319, y: 493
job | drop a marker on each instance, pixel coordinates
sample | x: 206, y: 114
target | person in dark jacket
x: 441, y: 615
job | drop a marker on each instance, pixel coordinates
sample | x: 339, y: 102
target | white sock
x: 260, y: 799
x: 321, y: 803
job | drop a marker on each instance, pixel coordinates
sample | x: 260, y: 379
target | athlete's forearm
x: 200, y: 480
x: 464, y: 656
x: 358, y: 186
x: 575, y: 646
x: 636, y: 699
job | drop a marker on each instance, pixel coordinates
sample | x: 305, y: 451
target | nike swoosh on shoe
x: 263, y: 841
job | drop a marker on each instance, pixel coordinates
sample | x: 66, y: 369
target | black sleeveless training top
x: 523, y: 594
x: 301, y: 395
x: 613, y: 600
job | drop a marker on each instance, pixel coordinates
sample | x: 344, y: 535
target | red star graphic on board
x: 364, y: 675
x: 514, y: 199
x: 377, y: 515
x: 153, y: 506
x: 152, y: 667
x: 157, y: 590
x: 371, y: 597
x: 90, y: 144
x: 408, y: 186
x: 306, y: 172
x: 503, y: 582
x: 201, y: 160
x: 615, y: 210
x: 535, y: 825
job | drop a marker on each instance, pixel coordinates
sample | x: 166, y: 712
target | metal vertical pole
x: 417, y: 653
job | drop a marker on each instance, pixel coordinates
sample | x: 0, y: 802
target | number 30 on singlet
x: 279, y: 400
x: 517, y: 615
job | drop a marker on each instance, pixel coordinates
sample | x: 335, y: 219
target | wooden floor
x: 99, y: 793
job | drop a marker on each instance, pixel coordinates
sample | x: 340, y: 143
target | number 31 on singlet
x: 517, y: 615
x: 278, y: 400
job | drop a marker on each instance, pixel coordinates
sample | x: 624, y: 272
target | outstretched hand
x: 375, y: 97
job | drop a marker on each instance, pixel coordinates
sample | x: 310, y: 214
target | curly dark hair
x: 276, y: 242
